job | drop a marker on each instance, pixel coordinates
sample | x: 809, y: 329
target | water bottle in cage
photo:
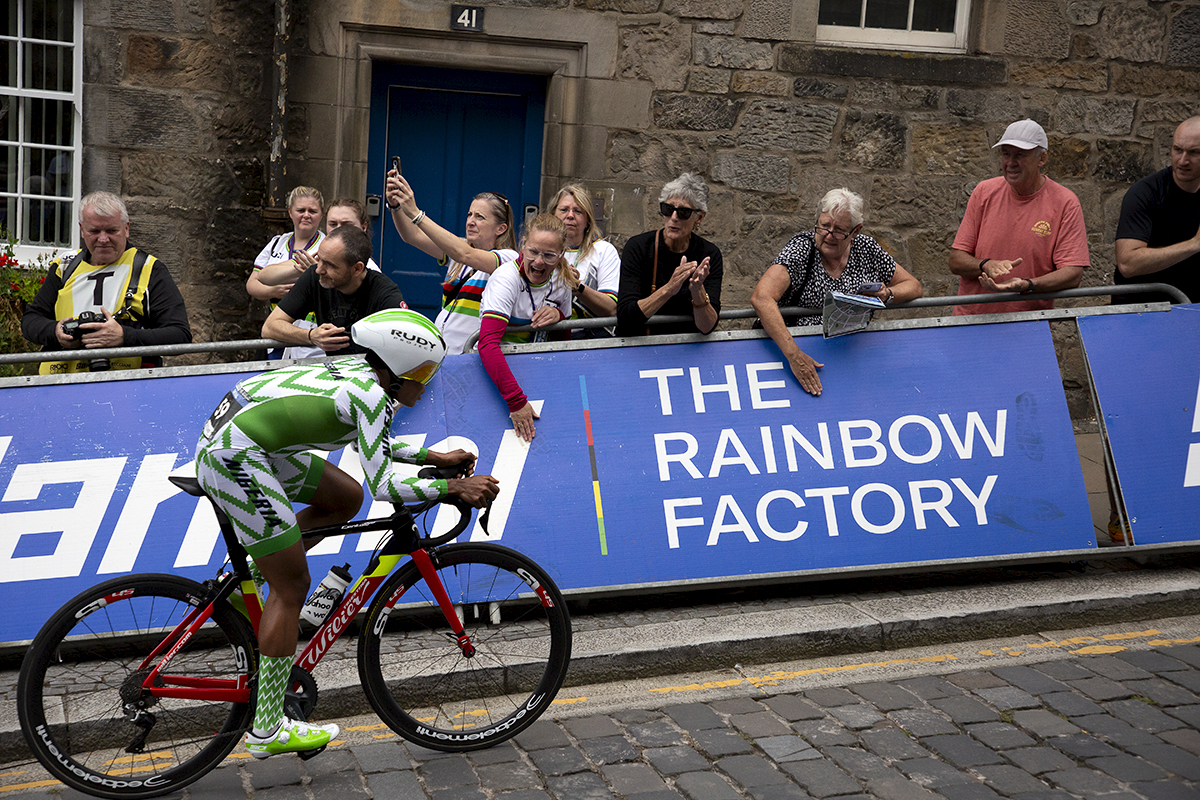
x: 326, y: 596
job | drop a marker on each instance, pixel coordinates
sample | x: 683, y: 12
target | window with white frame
x: 41, y: 88
x: 939, y: 25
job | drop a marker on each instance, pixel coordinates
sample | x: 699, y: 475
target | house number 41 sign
x: 466, y: 18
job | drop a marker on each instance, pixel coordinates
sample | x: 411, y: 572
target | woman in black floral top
x: 835, y: 256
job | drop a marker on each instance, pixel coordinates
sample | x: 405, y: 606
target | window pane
x: 47, y: 172
x: 8, y: 215
x: 40, y: 176
x: 891, y: 14
x: 933, y: 15
x: 8, y: 118
x: 49, y: 122
x: 9, y: 168
x: 49, y: 19
x: 840, y: 12
x: 48, y: 67
x: 47, y: 223
x: 8, y: 64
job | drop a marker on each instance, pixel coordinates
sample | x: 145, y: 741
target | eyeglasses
x: 550, y: 258
x: 833, y: 233
x: 666, y: 209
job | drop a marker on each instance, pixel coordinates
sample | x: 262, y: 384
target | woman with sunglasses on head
x: 596, y: 263
x: 672, y: 271
x: 470, y: 259
x: 533, y: 290
x: 834, y: 256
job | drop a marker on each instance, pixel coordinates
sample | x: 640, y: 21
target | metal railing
x: 244, y: 345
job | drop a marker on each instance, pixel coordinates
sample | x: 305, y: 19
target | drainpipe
x: 275, y: 210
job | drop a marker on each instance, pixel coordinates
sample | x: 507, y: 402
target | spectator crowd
x: 1021, y: 233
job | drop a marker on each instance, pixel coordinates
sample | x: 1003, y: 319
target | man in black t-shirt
x: 1158, y: 235
x: 339, y: 291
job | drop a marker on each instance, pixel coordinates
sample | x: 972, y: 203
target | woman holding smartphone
x: 469, y: 260
x: 833, y: 256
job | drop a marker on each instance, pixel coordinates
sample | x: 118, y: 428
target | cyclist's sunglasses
x: 666, y: 209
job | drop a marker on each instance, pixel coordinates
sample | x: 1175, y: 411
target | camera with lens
x: 72, y: 326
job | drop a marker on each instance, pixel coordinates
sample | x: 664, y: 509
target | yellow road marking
x: 31, y: 785
x: 1170, y: 642
x: 776, y: 677
x: 378, y: 727
x: 140, y: 757
x: 566, y: 701
x: 10, y: 774
x: 1099, y: 649
x: 1087, y: 640
x: 383, y: 736
x: 1112, y: 637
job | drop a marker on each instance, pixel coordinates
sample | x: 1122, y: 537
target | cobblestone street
x: 1096, y: 723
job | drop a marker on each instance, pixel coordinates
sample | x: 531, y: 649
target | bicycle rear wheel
x: 80, y: 699
x: 416, y: 676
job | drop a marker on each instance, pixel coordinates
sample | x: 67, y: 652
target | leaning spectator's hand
x: 103, y: 334
x: 681, y: 275
x: 805, y: 370
x: 1010, y: 285
x: 546, y: 315
x: 455, y: 458
x: 66, y: 341
x: 700, y: 274
x: 999, y: 268
x: 475, y: 491
x: 522, y: 420
x: 328, y: 337
x: 280, y: 291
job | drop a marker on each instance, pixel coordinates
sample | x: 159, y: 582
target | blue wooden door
x: 458, y: 133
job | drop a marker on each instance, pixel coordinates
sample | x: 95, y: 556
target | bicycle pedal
x: 305, y: 755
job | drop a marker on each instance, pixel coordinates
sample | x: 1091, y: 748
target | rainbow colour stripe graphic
x: 587, y: 424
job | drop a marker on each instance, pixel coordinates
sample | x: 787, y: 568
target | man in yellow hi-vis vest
x: 108, y: 294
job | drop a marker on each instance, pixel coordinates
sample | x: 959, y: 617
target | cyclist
x: 254, y: 460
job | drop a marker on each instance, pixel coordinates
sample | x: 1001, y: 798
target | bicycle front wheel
x: 422, y: 684
x: 81, y: 703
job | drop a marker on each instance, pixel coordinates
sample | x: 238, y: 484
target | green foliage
x: 18, y: 284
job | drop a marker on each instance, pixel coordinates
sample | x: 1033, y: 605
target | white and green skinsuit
x: 254, y: 462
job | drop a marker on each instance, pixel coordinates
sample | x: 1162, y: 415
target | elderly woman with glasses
x: 533, y: 290
x: 834, y: 256
x: 672, y: 271
x: 469, y: 259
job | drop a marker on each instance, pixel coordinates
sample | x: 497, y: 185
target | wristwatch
x: 703, y: 302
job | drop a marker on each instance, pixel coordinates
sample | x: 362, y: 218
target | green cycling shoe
x: 292, y: 736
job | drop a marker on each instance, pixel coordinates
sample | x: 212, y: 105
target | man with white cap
x: 1022, y: 232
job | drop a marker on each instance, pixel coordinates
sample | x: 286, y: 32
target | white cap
x: 1025, y: 134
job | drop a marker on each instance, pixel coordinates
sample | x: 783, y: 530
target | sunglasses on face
x: 666, y: 209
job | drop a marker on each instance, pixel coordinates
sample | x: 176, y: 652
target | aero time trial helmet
x: 406, y: 341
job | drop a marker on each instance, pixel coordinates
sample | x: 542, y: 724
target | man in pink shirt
x: 1022, y: 232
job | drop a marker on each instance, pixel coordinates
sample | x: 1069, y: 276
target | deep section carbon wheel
x: 82, y: 700
x: 436, y: 692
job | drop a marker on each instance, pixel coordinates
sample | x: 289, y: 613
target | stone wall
x: 178, y: 96
x: 176, y: 114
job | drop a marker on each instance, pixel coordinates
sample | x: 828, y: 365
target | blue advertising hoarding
x: 1149, y: 390
x: 654, y: 464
